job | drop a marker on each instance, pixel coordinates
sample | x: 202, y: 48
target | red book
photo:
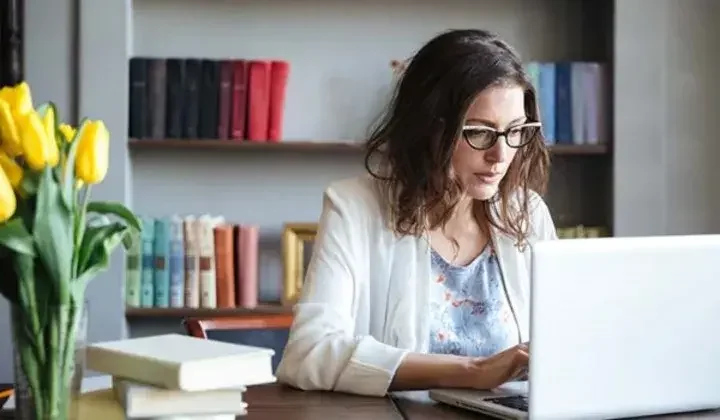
x: 239, y: 99
x: 225, y: 99
x: 279, y: 73
x: 246, y: 248
x: 258, y: 100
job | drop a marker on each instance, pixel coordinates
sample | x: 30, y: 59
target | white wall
x: 666, y: 106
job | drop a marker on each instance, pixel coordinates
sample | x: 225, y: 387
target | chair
x: 266, y: 330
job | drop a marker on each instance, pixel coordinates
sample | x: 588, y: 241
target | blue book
x: 177, y: 262
x: 533, y: 71
x: 563, y: 103
x: 547, y: 101
x: 162, y: 263
x: 147, y: 289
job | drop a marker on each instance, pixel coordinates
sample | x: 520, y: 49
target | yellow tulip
x: 53, y: 152
x: 93, y: 153
x: 68, y: 132
x: 9, y: 136
x: 18, y: 97
x: 8, y: 201
x: 38, y: 149
x: 12, y: 170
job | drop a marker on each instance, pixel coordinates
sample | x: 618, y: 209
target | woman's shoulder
x: 360, y: 193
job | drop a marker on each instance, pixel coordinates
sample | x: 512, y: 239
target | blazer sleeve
x: 323, y: 352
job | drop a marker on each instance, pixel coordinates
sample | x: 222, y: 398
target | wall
x: 666, y: 102
x: 81, y: 84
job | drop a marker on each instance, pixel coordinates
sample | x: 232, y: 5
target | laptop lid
x: 624, y: 326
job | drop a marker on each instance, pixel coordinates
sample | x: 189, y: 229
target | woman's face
x: 480, y: 171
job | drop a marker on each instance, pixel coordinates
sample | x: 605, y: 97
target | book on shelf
x: 194, y: 98
x: 193, y: 262
x: 580, y: 231
x: 573, y: 101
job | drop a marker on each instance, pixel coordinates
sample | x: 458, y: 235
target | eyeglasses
x: 481, y: 137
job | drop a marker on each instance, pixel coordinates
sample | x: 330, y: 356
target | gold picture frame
x: 294, y: 238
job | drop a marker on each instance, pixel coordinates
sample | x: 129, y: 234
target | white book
x: 102, y: 405
x: 175, y: 361
x: 140, y: 400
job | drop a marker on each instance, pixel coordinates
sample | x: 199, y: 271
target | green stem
x: 52, y: 367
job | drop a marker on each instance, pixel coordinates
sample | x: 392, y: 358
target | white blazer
x: 364, y: 303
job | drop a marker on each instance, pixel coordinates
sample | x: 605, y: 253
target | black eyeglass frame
x: 497, y: 134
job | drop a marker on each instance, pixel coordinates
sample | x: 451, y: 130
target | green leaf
x: 68, y: 181
x: 97, y: 247
x: 115, y: 209
x: 53, y: 235
x: 14, y: 236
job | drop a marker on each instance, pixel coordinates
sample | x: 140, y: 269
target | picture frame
x: 295, y: 256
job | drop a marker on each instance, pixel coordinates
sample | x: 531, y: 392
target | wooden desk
x: 273, y: 402
x: 417, y: 405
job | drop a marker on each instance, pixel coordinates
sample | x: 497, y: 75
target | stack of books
x: 173, y: 377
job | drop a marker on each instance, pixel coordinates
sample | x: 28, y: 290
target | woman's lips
x: 488, y: 177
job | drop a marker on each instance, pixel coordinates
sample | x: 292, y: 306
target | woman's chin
x: 482, y: 192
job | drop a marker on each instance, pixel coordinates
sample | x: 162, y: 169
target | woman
x: 420, y: 272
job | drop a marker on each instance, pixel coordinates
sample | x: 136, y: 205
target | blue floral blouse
x: 470, y: 313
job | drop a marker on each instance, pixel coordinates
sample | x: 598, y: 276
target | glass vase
x: 48, y: 380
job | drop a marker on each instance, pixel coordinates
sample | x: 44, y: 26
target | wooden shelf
x: 137, y: 313
x: 310, y: 146
x: 209, y: 144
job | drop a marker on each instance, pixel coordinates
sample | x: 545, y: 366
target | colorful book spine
x: 547, y: 101
x: 579, y: 103
x: 192, y: 263
x: 206, y: 242
x: 162, y: 263
x: 147, y: 297
x: 133, y: 272
x: 177, y: 263
x: 563, y: 103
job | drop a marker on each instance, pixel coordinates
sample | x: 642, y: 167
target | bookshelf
x: 334, y: 93
x: 174, y: 313
x: 311, y: 146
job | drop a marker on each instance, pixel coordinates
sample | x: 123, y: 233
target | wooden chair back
x: 263, y: 330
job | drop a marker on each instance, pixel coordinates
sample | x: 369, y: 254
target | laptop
x: 619, y: 327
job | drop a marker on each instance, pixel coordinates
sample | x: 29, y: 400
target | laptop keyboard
x: 517, y: 402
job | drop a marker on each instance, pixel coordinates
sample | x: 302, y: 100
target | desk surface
x: 272, y: 402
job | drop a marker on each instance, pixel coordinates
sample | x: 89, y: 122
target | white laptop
x: 619, y: 327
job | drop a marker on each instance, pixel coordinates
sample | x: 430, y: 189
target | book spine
x: 258, y: 100
x: 133, y: 272
x: 248, y: 238
x: 206, y: 242
x: 546, y: 100
x: 192, y: 263
x: 177, y: 263
x: 224, y: 267
x: 279, y: 74
x: 147, y: 298
x: 563, y: 103
x: 578, y: 98
x: 162, y: 263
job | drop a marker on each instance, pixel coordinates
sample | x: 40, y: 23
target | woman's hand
x: 494, y: 371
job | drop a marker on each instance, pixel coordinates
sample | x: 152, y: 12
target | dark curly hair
x: 411, y: 148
